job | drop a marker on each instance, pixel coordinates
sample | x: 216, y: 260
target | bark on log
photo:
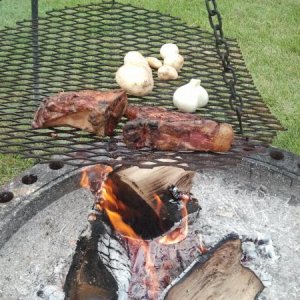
x: 88, y: 276
x: 100, y: 267
x: 221, y: 277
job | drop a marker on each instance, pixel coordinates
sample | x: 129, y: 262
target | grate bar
x: 81, y: 48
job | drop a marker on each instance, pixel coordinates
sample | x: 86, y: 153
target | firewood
x: 137, y: 189
x: 88, y: 277
x: 100, y: 267
x: 147, y: 182
x: 221, y: 277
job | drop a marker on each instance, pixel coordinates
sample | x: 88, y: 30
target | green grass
x: 268, y: 33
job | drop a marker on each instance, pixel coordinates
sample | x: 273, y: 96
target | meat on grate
x: 94, y: 111
x: 199, y: 135
x: 157, y: 113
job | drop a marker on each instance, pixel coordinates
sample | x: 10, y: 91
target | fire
x: 157, y: 204
x: 115, y: 209
x: 201, y: 246
x: 85, y: 181
x: 96, y: 179
x: 92, y: 177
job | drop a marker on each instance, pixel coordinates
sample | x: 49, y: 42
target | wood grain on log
x: 148, y: 182
x: 221, y: 277
x: 136, y: 188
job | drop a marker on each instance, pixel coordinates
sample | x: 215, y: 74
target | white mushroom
x: 135, y: 76
x: 167, y: 73
x: 135, y: 57
x: 174, y: 60
x: 168, y: 49
x: 154, y: 62
x: 136, y: 79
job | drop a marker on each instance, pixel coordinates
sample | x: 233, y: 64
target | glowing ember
x: 201, y: 247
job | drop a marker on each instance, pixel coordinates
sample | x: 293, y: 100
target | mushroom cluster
x: 135, y: 76
x: 173, y: 62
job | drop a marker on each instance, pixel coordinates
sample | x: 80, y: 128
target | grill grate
x: 81, y: 48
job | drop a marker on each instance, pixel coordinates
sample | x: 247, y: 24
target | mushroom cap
x: 168, y: 49
x: 136, y: 80
x: 174, y: 60
x: 134, y: 57
x: 167, y: 73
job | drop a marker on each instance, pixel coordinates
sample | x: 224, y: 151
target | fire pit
x: 258, y: 201
x: 147, y: 237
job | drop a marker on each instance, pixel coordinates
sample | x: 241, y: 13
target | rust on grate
x: 81, y: 48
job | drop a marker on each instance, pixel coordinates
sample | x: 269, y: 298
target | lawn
x: 268, y: 33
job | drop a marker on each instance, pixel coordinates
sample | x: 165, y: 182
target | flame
x: 120, y: 226
x: 94, y: 175
x: 114, y: 210
x: 157, y: 204
x: 178, y: 234
x: 85, y: 181
x: 95, y: 178
x: 201, y: 246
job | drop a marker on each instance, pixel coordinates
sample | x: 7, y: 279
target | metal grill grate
x: 81, y: 48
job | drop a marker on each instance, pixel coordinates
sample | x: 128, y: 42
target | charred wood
x: 88, y: 277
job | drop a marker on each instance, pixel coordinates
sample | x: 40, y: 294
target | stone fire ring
x: 44, y: 210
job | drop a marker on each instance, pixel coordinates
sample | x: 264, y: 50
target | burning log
x: 221, y: 277
x: 100, y: 268
x: 87, y: 276
x: 147, y: 182
x: 112, y: 261
x: 144, y: 199
x: 152, y: 198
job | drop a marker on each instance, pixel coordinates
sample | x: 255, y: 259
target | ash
x: 35, y: 261
x: 267, y: 224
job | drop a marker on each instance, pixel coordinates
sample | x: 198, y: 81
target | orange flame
x: 95, y: 178
x: 85, y: 181
x: 114, y: 209
x: 157, y: 204
x: 98, y: 172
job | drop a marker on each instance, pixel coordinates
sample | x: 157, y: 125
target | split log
x: 100, y: 268
x: 221, y: 277
x: 147, y: 182
x: 138, y: 189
